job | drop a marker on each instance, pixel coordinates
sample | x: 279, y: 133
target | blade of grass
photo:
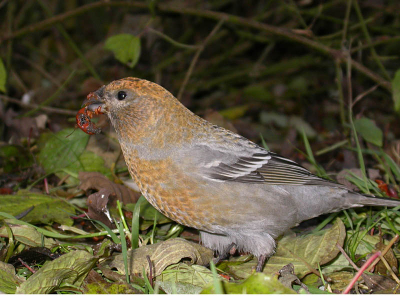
x: 393, y: 166
x: 11, y: 219
x: 121, y: 214
x: 332, y: 147
x: 135, y: 223
x: 11, y: 243
x: 153, y: 231
x: 120, y: 228
x: 264, y: 144
x: 325, y: 222
x: 218, y: 288
x: 147, y: 283
x: 310, y: 156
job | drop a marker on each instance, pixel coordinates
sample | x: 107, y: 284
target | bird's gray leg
x: 224, y: 255
x: 261, y: 262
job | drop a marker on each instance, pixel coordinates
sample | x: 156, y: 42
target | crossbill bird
x: 204, y: 176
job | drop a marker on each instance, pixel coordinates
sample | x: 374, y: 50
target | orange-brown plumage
x: 207, y: 177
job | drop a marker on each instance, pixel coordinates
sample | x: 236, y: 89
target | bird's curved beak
x: 94, y: 101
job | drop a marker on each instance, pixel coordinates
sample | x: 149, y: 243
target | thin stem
x: 71, y: 43
x: 48, y: 109
x: 196, y: 57
x: 172, y: 41
x: 341, y: 96
x: 346, y: 20
x: 367, y: 36
x: 360, y: 272
x: 388, y: 246
x: 52, y: 97
x: 283, y: 32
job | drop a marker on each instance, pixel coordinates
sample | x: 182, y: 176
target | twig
x: 52, y: 110
x: 393, y: 240
x: 151, y: 270
x: 26, y: 265
x: 172, y: 41
x: 19, y: 81
x: 196, y: 57
x: 288, y: 34
x: 389, y: 269
x: 46, y: 186
x: 360, y: 272
x: 362, y: 95
x: 38, y: 68
x: 367, y: 36
x: 53, y: 96
x: 346, y: 21
x: 71, y: 43
x: 2, y: 3
x: 380, y: 256
x: 347, y: 257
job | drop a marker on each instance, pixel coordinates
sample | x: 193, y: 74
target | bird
x: 236, y: 193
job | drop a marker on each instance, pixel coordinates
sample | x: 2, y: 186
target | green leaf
x: 46, y: 209
x: 8, y: 280
x: 257, y: 283
x: 235, y: 112
x: 3, y: 77
x: 126, y: 48
x: 258, y: 92
x: 29, y: 236
x: 196, y: 275
x: 396, y: 90
x: 88, y: 161
x: 62, y: 150
x: 69, y: 269
x: 14, y: 157
x: 162, y: 255
x: 302, y: 251
x: 369, y: 131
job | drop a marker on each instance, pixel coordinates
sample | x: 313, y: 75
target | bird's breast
x: 167, y: 188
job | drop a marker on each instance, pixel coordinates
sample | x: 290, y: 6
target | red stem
x: 359, y: 273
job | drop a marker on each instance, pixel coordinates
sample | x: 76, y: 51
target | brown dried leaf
x: 378, y: 283
x: 97, y: 181
x: 287, y: 277
x: 380, y: 268
x: 97, y: 205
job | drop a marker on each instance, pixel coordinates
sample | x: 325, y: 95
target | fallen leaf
x: 97, y: 207
x: 70, y: 268
x: 302, y: 251
x: 288, y: 278
x: 27, y: 235
x: 9, y: 281
x: 257, y: 283
x: 94, y: 283
x: 46, y: 210
x: 391, y: 259
x: 195, y: 275
x: 97, y: 181
x: 162, y: 255
x: 62, y: 149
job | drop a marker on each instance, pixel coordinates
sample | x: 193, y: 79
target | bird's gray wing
x: 252, y: 165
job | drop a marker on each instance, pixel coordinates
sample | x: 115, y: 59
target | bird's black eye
x: 121, y: 95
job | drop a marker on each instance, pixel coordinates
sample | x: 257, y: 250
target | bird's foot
x: 261, y: 262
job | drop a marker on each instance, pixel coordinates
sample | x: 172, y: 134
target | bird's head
x: 121, y: 96
x: 137, y: 107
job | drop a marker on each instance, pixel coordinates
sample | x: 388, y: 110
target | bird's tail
x: 379, y: 201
